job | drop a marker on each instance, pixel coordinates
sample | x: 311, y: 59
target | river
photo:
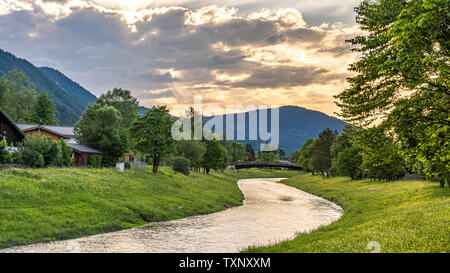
x: 271, y: 212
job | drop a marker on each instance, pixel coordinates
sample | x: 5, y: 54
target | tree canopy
x: 215, y: 156
x: 321, y: 157
x: 99, y: 128
x: 124, y: 102
x: 152, y: 134
x: 402, y: 78
x: 17, y: 96
x: 305, y: 154
x: 44, y: 111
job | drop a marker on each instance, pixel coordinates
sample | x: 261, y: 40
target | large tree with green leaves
x: 402, y: 78
x: 124, y: 102
x: 99, y: 128
x: 152, y: 134
x: 305, y: 154
x: 215, y: 156
x: 349, y: 162
x: 193, y: 150
x: 236, y: 151
x: 17, y: 96
x: 44, y: 110
x: 321, y: 154
x: 381, y: 154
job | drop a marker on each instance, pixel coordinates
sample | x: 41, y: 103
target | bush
x: 182, y: 165
x: 95, y: 161
x: 37, y: 152
x: 32, y: 158
x: 5, y: 156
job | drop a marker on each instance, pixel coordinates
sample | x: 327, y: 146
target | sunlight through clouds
x: 166, y: 53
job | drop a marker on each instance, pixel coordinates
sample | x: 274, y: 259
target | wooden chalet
x: 82, y: 153
x: 15, y: 133
x: 9, y: 130
x: 54, y: 132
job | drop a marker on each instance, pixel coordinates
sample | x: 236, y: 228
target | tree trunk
x: 155, y: 163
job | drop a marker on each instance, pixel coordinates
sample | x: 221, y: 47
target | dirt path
x: 271, y: 212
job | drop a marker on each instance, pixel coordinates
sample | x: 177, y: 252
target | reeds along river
x: 271, y: 212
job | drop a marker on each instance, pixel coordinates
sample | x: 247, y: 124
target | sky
x: 235, y: 52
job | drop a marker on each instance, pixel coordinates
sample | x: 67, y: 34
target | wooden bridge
x: 279, y: 165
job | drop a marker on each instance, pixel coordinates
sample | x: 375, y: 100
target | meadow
x: 399, y: 216
x: 60, y: 203
x: 44, y: 205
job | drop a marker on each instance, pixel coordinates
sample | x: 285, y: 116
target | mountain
x: 79, y: 93
x: 297, y: 124
x: 68, y: 108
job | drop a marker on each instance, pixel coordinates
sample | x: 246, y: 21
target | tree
x: 250, y: 152
x: 403, y: 78
x: 99, y: 128
x: 193, y: 150
x: 321, y: 154
x: 235, y: 150
x: 268, y: 157
x: 305, y: 155
x: 342, y: 142
x: 349, y: 162
x: 17, y: 96
x: 382, y: 158
x: 215, y: 156
x: 44, y: 110
x: 152, y: 134
x: 124, y: 102
x: 293, y: 156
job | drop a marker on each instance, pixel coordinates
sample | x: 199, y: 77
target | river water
x: 272, y: 212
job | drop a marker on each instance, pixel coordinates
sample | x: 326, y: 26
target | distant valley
x: 297, y: 124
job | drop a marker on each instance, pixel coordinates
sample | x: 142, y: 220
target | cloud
x: 166, y: 55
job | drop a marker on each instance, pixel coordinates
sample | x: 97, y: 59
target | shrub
x: 95, y: 161
x: 181, y: 164
x: 5, y: 156
x: 37, y: 152
x: 32, y: 158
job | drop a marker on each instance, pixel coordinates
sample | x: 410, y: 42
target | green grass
x: 55, y: 204
x: 402, y: 216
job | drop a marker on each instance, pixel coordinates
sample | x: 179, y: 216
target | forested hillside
x: 68, y: 109
x: 79, y: 93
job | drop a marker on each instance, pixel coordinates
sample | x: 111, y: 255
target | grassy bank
x: 54, y: 204
x: 402, y: 216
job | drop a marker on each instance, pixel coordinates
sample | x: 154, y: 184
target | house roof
x: 66, y: 132
x: 12, y: 122
x: 83, y: 149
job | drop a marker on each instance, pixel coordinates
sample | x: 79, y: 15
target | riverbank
x: 271, y: 212
x: 400, y: 216
x: 55, y: 204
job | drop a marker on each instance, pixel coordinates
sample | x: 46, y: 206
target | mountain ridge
x: 78, y: 92
x: 296, y: 125
x: 68, y: 110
